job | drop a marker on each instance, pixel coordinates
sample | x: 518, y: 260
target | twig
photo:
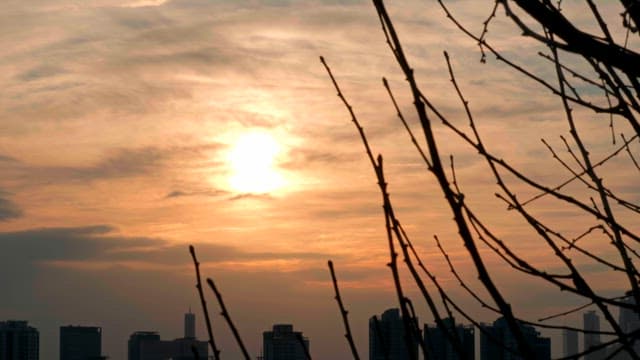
x: 212, y: 343
x: 344, y: 313
x: 225, y: 315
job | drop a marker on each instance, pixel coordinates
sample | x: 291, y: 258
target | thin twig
x: 212, y: 343
x: 344, y: 313
x: 225, y: 315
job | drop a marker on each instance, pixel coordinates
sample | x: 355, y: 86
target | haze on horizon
x: 130, y: 129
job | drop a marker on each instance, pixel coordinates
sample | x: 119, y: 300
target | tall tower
x: 591, y: 322
x: 189, y: 325
x: 387, y: 337
x: 18, y: 341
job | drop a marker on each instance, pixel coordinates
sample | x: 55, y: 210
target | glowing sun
x: 253, y: 163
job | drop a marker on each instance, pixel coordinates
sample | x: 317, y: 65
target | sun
x: 253, y: 163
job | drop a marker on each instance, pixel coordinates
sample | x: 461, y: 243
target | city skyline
x: 131, y: 129
x: 282, y: 342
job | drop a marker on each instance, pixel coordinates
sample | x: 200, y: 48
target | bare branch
x: 225, y: 315
x: 212, y: 343
x: 344, y: 313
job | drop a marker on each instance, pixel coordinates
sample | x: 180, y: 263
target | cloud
x: 250, y: 196
x: 119, y: 163
x: 9, y: 210
x: 72, y: 243
x: 40, y: 72
x: 183, y: 193
x: 103, y: 243
x: 7, y: 159
x: 122, y: 163
x: 305, y: 157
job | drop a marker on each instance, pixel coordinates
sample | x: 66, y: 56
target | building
x: 189, y: 325
x: 387, y: 336
x: 282, y: 343
x: 569, y: 342
x: 18, y: 341
x: 591, y: 322
x: 80, y: 342
x: 136, y: 341
x: 439, y: 345
x: 178, y: 349
x: 147, y: 345
x: 498, y: 343
x: 629, y: 321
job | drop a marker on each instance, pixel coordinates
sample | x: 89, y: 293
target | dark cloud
x: 39, y: 72
x: 182, y: 193
x: 59, y: 87
x: 304, y: 157
x: 101, y: 243
x: 73, y: 243
x: 8, y: 159
x: 120, y: 163
x: 209, y: 253
x: 9, y: 210
x: 251, y: 196
x: 177, y: 193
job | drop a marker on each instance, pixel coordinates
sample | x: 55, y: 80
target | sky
x: 130, y: 129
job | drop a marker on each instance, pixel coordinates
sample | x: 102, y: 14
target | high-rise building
x: 497, y: 342
x: 387, y: 336
x: 629, y: 321
x: 189, y: 325
x: 282, y: 343
x: 18, y: 341
x: 137, y: 340
x: 147, y: 345
x: 439, y: 345
x: 569, y: 342
x: 80, y: 343
x: 591, y: 322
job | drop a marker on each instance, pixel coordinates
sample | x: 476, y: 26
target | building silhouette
x: 569, y: 342
x: 591, y: 322
x: 147, y: 345
x: 18, y: 341
x: 80, y: 343
x: 629, y: 321
x: 439, y: 345
x: 498, y: 343
x: 282, y: 343
x: 189, y: 325
x: 387, y: 336
x: 137, y: 340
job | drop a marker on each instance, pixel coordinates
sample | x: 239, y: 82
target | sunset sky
x: 130, y: 129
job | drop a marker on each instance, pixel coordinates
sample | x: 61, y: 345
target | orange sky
x: 124, y: 131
